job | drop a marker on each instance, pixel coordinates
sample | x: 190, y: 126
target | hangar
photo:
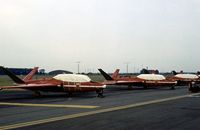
x: 55, y: 72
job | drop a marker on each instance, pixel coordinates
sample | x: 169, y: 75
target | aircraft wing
x: 160, y: 83
x: 141, y: 82
x: 52, y: 86
x: 28, y: 86
x: 132, y: 83
x: 124, y: 82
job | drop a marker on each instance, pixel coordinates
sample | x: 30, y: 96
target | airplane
x: 145, y: 80
x: 68, y: 83
x: 186, y: 79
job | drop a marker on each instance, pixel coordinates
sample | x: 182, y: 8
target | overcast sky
x: 55, y: 34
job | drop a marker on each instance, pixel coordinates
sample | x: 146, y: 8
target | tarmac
x: 120, y: 109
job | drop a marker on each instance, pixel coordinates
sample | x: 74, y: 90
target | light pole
x: 78, y: 66
x: 127, y: 63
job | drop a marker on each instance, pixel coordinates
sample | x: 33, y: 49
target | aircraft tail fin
x: 31, y: 74
x: 105, y: 75
x: 12, y: 76
x: 115, y: 74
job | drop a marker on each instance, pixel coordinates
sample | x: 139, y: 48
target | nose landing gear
x: 193, y: 87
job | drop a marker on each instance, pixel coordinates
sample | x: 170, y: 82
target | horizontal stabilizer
x: 105, y: 75
x: 12, y: 76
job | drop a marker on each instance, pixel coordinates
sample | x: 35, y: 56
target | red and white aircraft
x: 68, y: 83
x: 145, y: 80
x: 186, y: 79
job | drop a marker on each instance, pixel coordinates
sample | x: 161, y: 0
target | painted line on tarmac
x: 47, y: 105
x: 13, y: 89
x: 37, y: 122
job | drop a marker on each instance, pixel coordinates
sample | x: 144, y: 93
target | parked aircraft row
x: 154, y: 80
x: 71, y: 83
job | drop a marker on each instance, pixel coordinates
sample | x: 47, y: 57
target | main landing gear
x: 193, y: 87
x: 172, y: 87
x: 37, y: 94
x: 130, y: 87
x: 69, y: 94
x: 100, y: 93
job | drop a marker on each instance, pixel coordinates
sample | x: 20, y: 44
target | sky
x: 107, y: 34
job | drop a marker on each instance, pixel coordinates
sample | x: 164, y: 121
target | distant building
x: 146, y: 71
x: 18, y: 71
x: 55, y: 72
x: 41, y: 71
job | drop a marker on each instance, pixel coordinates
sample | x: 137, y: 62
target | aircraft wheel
x: 190, y: 88
x: 173, y: 88
x: 145, y: 87
x: 69, y: 94
x: 100, y: 93
x: 130, y: 87
x: 37, y: 94
x: 194, y: 88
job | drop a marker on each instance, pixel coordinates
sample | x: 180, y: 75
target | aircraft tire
x: 100, y: 93
x: 194, y: 88
x: 173, y: 88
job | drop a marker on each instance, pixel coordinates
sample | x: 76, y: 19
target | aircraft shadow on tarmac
x: 108, y: 92
x: 45, y: 96
x: 124, y: 88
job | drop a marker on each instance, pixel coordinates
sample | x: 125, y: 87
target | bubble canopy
x: 151, y: 77
x: 72, y: 78
x: 187, y: 76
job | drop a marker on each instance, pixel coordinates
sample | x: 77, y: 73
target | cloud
x: 106, y: 33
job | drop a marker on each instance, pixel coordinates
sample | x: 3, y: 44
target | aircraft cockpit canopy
x: 72, y: 78
x: 187, y: 76
x: 151, y: 77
